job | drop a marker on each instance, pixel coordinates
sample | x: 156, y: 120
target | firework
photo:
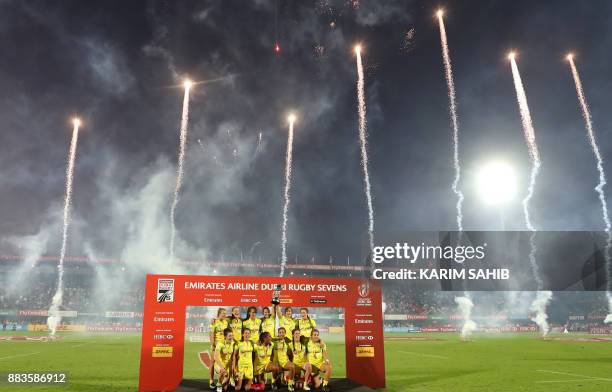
x: 180, y: 166
x: 287, y: 193
x: 464, y: 303
x: 363, y: 144
x: 542, y: 297
x: 588, y: 122
x: 448, y: 73
x: 54, y: 318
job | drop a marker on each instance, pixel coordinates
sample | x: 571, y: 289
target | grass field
x: 443, y: 363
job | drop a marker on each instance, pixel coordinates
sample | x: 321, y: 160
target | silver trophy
x: 276, y: 294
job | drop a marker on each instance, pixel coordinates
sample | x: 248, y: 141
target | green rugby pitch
x: 414, y: 362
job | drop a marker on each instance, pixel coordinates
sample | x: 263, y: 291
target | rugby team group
x: 246, y: 349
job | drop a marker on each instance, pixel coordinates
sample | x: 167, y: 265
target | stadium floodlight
x: 496, y: 183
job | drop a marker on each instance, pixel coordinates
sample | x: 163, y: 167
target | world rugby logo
x: 364, y: 293
x: 364, y: 289
x: 165, y: 290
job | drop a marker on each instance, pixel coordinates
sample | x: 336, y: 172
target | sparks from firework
x: 180, y: 166
x: 542, y: 297
x: 588, y: 122
x: 54, y: 318
x: 408, y: 40
x: 464, y: 303
x: 287, y: 193
x: 363, y: 144
x: 530, y: 138
x: 448, y: 73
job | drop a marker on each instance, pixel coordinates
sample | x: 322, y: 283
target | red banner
x: 167, y: 297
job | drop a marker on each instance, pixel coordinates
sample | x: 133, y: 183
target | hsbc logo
x: 163, y: 337
x: 365, y: 338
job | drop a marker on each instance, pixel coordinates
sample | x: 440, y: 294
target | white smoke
x: 538, y: 306
x: 31, y: 248
x: 54, y: 317
x: 465, y: 306
x: 609, y: 316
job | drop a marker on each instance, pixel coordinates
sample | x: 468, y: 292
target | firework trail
x: 448, y: 72
x: 54, y: 318
x: 288, y: 167
x: 542, y: 297
x: 180, y: 166
x: 530, y: 139
x: 588, y: 122
x: 363, y: 142
x: 464, y: 303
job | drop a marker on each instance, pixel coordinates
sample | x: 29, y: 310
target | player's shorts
x: 225, y: 365
x: 283, y: 363
x: 245, y: 371
x: 260, y: 368
x: 316, y: 368
x: 299, y: 364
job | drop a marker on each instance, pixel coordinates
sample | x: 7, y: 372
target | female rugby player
x: 305, y: 323
x: 243, y: 361
x: 319, y: 361
x: 235, y: 323
x: 252, y: 323
x: 281, y: 357
x: 217, y: 327
x: 267, y: 322
x: 224, y: 355
x: 299, y: 357
x: 285, y: 320
x: 263, y: 359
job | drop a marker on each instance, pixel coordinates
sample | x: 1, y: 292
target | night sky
x: 119, y: 65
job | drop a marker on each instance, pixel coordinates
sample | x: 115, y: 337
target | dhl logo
x: 162, y: 352
x: 364, y: 351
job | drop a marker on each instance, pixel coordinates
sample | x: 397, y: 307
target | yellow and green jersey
x: 288, y: 323
x: 268, y: 325
x: 254, y: 325
x: 306, y: 326
x: 281, y: 352
x: 299, y: 353
x: 315, y: 353
x: 245, y: 353
x: 225, y: 351
x: 263, y: 354
x: 235, y: 324
x: 217, y: 327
